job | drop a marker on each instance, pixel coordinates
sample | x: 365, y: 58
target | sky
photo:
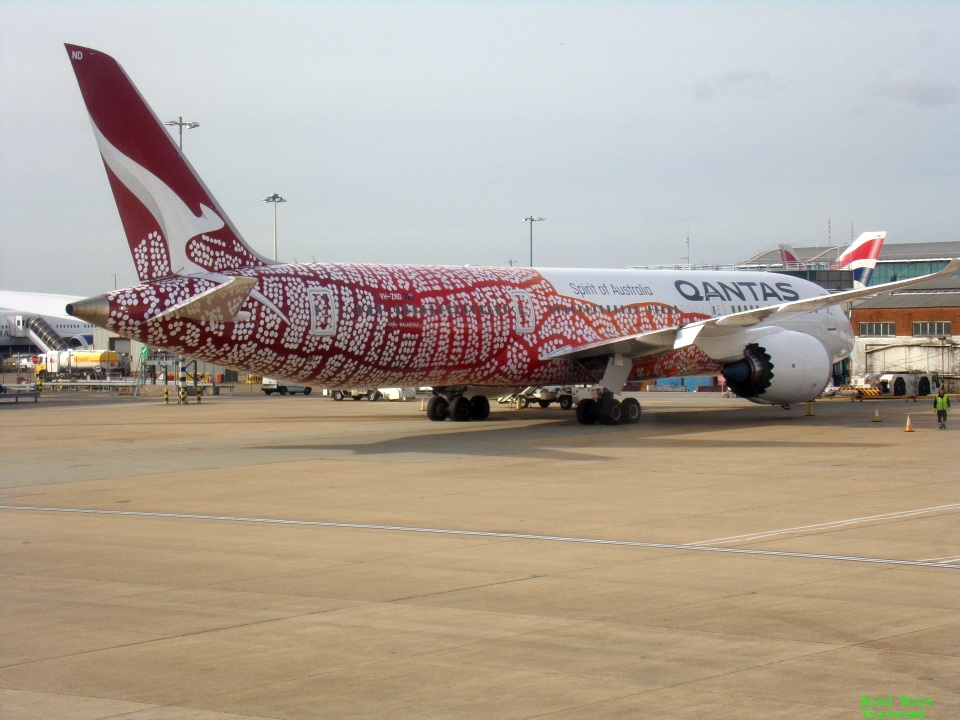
x: 423, y: 132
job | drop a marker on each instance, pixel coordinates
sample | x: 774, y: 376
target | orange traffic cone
x: 909, y: 427
x: 876, y: 415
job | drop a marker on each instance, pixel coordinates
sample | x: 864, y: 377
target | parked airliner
x: 468, y: 332
x: 19, y: 311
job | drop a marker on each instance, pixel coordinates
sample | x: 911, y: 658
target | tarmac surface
x: 294, y: 557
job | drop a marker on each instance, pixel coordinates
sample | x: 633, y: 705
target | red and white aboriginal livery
x: 385, y: 325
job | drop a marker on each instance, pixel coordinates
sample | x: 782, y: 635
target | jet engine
x: 780, y: 368
x: 79, y: 341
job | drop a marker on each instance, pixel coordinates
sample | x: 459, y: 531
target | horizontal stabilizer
x: 217, y: 305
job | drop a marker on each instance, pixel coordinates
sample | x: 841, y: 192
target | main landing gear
x: 458, y: 408
x: 607, y: 410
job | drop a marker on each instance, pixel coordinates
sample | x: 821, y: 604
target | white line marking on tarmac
x: 834, y: 524
x: 484, y: 533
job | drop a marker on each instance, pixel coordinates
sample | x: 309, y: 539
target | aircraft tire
x: 610, y: 411
x: 587, y: 412
x: 459, y: 410
x: 438, y: 408
x: 566, y: 402
x: 479, y: 407
x: 630, y: 411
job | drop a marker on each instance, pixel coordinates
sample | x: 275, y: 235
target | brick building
x: 915, y: 329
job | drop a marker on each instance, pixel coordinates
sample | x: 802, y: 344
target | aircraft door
x: 323, y: 311
x: 525, y: 311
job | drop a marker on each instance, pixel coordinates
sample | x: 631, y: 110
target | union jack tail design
x: 861, y: 257
x: 173, y: 224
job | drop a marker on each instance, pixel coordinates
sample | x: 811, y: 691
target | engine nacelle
x: 780, y: 368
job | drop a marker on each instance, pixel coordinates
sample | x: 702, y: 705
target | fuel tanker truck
x: 76, y: 363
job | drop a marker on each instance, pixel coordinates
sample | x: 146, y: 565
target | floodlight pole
x: 532, y: 219
x: 275, y: 198
x: 179, y: 122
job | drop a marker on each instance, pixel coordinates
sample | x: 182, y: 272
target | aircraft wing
x: 650, y: 343
x: 30, y: 303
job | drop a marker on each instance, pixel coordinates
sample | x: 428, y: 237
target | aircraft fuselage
x: 398, y: 325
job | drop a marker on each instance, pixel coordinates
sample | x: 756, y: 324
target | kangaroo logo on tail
x: 173, y: 224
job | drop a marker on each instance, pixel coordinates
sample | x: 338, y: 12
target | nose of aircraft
x: 95, y: 310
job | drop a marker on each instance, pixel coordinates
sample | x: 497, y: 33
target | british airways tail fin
x: 861, y: 257
x: 173, y: 224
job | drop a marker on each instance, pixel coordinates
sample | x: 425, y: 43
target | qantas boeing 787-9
x: 468, y: 332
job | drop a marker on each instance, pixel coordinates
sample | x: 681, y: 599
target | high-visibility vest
x: 942, y: 403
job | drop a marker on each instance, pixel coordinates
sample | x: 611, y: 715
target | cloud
x: 739, y: 83
x: 912, y: 89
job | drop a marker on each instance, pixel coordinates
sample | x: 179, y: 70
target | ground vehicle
x: 909, y: 383
x: 77, y: 363
x: 565, y: 395
x: 272, y: 385
x: 373, y: 394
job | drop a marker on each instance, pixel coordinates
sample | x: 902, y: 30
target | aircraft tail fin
x: 861, y: 257
x: 789, y: 259
x: 173, y: 224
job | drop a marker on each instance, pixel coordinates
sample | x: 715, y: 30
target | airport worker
x: 941, y: 403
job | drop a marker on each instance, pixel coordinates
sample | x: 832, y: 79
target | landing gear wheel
x: 459, y: 409
x: 630, y: 411
x: 899, y: 387
x: 610, y: 411
x: 337, y: 395
x: 479, y: 407
x: 566, y: 402
x: 587, y: 412
x: 438, y: 408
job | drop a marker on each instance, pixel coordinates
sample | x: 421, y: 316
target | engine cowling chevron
x: 780, y: 368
